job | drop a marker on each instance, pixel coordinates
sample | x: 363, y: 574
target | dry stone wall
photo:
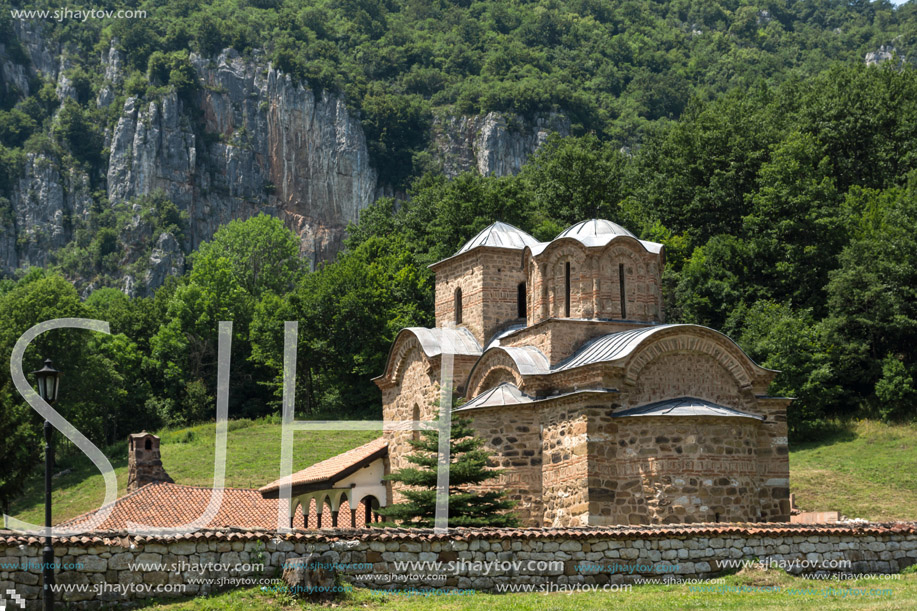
x: 173, y: 565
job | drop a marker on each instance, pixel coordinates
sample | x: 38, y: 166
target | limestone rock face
x: 266, y: 145
x: 883, y: 54
x: 45, y: 202
x: 495, y: 144
x: 167, y: 259
x: 248, y: 140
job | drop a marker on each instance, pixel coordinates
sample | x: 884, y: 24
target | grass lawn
x: 864, y: 470
x: 252, y: 460
x: 899, y: 594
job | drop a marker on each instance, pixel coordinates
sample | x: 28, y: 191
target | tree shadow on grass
x: 823, y: 433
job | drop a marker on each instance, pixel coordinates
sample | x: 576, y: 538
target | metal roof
x: 501, y: 235
x: 609, y: 347
x: 594, y: 233
x: 529, y: 359
x: 495, y: 340
x: 457, y: 341
x: 593, y: 228
x: 504, y: 394
x: 684, y: 406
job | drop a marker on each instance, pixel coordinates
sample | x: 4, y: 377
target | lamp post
x: 48, y: 384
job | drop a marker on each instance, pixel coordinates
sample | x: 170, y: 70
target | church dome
x: 500, y: 235
x: 593, y: 228
x: 596, y: 233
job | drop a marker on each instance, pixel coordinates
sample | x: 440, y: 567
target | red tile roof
x: 330, y: 470
x: 167, y: 505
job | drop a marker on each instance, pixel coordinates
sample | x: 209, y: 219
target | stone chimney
x: 143, y: 462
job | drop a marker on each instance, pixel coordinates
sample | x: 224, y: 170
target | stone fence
x: 105, y: 568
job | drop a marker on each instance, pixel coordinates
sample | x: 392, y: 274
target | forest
x: 779, y: 171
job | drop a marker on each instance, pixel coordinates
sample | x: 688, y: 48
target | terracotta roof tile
x: 167, y: 505
x: 328, y: 470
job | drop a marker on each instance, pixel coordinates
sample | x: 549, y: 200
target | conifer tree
x: 468, y: 467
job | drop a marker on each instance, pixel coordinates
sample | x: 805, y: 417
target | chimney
x: 143, y: 462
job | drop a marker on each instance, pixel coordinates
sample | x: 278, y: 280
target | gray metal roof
x: 593, y: 228
x: 501, y: 235
x: 504, y: 394
x: 684, y: 406
x: 596, y: 232
x: 495, y: 340
x: 458, y: 340
x: 529, y: 359
x: 609, y: 347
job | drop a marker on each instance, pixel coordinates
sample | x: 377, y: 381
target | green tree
x: 349, y: 311
x: 467, y: 468
x: 576, y: 178
x: 872, y: 296
x: 793, y: 343
x: 245, y: 261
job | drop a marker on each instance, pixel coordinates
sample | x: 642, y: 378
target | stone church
x: 597, y: 411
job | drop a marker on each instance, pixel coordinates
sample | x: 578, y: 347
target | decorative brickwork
x: 590, y: 353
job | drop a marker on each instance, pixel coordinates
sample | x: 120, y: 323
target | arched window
x: 458, y: 306
x: 623, y: 294
x: 520, y: 300
x: 149, y: 444
x: 567, y: 290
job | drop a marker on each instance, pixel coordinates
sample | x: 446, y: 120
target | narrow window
x: 148, y: 444
x: 520, y: 300
x: 567, y: 290
x: 458, y: 306
x: 415, y: 416
x: 623, y: 298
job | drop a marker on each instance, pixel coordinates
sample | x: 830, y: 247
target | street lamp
x: 48, y: 385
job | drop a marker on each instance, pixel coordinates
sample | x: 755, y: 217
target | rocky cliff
x: 247, y: 140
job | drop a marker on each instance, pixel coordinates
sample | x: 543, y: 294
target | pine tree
x: 468, y: 467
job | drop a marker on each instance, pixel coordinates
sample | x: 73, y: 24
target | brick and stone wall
x: 595, y: 282
x: 691, y: 552
x: 489, y: 278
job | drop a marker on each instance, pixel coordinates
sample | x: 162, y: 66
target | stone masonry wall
x: 672, y: 470
x: 691, y: 552
x: 416, y: 397
x: 565, y: 471
x: 514, y: 436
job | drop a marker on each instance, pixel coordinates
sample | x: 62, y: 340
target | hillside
x: 309, y: 111
x: 836, y: 474
x: 252, y: 460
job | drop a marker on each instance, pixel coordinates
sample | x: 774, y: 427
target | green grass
x: 903, y: 596
x: 252, y: 460
x: 865, y: 469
